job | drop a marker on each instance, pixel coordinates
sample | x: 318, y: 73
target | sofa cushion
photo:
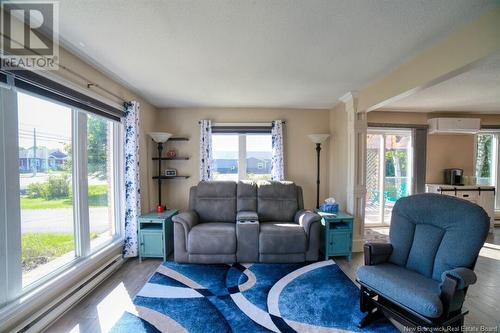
x: 246, y: 196
x: 278, y: 237
x: 277, y: 201
x: 216, y: 201
x: 409, y: 288
x: 212, y: 238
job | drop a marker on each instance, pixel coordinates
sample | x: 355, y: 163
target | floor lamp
x: 318, y: 139
x: 160, y: 138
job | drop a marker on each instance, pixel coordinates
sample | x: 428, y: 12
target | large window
x: 242, y: 156
x: 45, y: 182
x: 100, y: 180
x: 68, y: 196
x: 487, y: 164
x: 486, y: 153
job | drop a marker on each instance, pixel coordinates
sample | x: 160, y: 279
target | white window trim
x: 242, y: 157
x: 10, y: 221
x: 11, y: 288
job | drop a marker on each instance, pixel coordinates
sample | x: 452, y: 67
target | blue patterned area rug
x: 317, y: 297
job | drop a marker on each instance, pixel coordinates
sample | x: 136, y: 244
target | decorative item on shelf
x: 170, y: 172
x: 160, y: 138
x: 329, y: 206
x: 318, y: 139
x: 171, y: 153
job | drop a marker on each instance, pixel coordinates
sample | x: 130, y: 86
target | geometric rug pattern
x: 258, y: 297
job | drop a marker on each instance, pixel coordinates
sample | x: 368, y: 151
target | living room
x: 249, y: 166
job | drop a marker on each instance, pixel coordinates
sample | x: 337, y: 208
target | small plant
x: 37, y: 190
x: 56, y: 187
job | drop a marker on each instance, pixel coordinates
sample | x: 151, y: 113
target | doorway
x: 389, y: 165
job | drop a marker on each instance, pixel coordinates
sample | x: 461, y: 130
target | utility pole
x: 34, y: 153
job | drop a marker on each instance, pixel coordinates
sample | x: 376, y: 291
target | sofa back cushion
x: 215, y: 201
x: 433, y: 233
x: 246, y: 196
x: 277, y: 201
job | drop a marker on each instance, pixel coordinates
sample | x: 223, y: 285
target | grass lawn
x: 98, y: 197
x: 40, y: 248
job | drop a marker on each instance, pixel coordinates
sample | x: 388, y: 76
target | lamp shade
x: 160, y: 137
x: 318, y: 138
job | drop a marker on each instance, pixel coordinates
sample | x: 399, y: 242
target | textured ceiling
x: 477, y: 90
x: 255, y: 53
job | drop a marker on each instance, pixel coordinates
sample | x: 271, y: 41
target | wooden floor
x: 99, y: 311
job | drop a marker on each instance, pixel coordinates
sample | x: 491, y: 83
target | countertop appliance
x: 454, y: 176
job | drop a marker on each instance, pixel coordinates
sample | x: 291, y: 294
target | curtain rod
x: 88, y: 82
x: 244, y: 124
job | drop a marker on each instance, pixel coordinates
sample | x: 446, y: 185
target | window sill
x: 39, y: 296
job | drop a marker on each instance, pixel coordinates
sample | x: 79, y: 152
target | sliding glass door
x: 388, y: 172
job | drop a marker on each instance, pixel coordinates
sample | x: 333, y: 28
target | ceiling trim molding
x: 346, y: 98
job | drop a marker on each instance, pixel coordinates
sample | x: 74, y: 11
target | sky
x: 52, y: 122
x: 223, y: 144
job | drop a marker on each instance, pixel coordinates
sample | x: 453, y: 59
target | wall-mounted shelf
x: 171, y: 158
x: 179, y: 138
x: 170, y: 177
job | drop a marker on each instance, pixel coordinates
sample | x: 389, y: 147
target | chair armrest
x: 463, y: 276
x: 306, y: 218
x: 377, y: 253
x: 453, y: 281
x: 247, y: 215
x: 187, y: 219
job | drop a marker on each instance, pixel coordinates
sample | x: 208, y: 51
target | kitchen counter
x: 482, y: 195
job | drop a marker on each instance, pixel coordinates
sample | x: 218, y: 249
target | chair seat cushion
x: 401, y: 285
x: 280, y: 237
x: 212, y: 238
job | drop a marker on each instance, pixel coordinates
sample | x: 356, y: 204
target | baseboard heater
x: 55, y: 309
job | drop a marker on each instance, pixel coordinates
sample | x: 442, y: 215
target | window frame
x: 495, y: 161
x: 11, y: 285
x: 242, y: 133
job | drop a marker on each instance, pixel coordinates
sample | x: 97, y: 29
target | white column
x: 356, y: 157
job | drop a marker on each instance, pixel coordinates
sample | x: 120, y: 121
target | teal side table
x: 155, y: 234
x: 336, y: 234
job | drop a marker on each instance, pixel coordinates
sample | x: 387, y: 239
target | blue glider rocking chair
x: 421, y: 278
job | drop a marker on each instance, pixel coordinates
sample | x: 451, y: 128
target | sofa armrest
x: 463, y: 276
x: 187, y: 219
x: 377, y: 253
x: 247, y: 215
x: 306, y: 218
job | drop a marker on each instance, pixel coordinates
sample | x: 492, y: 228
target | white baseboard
x: 49, y: 313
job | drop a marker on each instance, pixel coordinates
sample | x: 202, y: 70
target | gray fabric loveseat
x: 231, y: 222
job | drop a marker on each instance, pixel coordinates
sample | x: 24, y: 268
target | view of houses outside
x: 46, y: 189
x: 226, y: 156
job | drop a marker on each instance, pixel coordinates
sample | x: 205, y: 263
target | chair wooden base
x: 377, y: 305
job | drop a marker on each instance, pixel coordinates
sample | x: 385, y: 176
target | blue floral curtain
x: 132, y: 185
x: 277, y: 163
x: 205, y: 150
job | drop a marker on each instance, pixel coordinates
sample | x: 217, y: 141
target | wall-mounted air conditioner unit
x: 454, y: 125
